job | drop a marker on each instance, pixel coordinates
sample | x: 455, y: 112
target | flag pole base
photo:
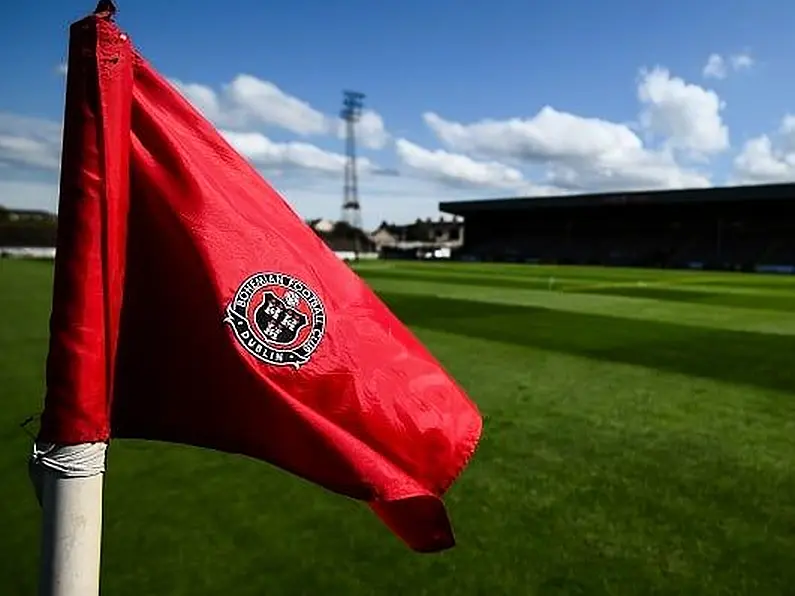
x: 69, y: 486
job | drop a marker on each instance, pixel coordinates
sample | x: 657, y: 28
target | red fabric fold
x: 90, y: 251
x: 192, y: 305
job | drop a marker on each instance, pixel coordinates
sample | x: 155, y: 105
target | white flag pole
x: 69, y: 482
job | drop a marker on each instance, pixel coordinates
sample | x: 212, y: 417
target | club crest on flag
x: 277, y: 318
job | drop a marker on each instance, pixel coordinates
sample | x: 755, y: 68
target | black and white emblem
x: 277, y: 318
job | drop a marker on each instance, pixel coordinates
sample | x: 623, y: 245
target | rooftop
x: 763, y: 192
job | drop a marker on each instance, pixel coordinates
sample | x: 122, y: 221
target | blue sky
x: 468, y: 99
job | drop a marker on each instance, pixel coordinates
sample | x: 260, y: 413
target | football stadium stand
x: 748, y: 228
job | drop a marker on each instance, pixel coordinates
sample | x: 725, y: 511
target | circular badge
x: 277, y: 318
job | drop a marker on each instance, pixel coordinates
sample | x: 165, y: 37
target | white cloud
x: 457, y: 169
x: 29, y: 142
x: 596, y: 154
x: 370, y: 130
x: 687, y: 115
x: 768, y: 158
x: 549, y: 135
x: 248, y: 102
x: 268, y: 154
x: 718, y: 67
x: 715, y: 68
x: 203, y: 99
x: 633, y: 170
x: 741, y: 61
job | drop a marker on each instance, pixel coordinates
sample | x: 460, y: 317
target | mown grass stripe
x: 683, y: 313
x: 440, y: 268
x: 775, y: 302
x: 668, y: 289
x: 732, y: 356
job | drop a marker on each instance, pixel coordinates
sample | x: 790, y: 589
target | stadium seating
x: 728, y: 235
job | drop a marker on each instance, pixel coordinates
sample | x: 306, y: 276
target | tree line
x: 24, y: 228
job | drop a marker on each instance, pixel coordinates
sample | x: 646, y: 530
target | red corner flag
x: 192, y: 305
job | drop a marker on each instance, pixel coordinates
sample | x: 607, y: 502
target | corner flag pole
x: 68, y: 481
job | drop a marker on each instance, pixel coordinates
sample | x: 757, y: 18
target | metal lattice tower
x: 350, y: 113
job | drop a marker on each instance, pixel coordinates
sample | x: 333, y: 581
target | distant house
x: 386, y: 235
x: 438, y: 233
x: 324, y: 226
x: 342, y: 237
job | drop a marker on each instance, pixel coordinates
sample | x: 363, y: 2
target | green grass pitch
x: 639, y: 439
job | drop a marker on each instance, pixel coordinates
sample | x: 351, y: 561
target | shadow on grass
x: 732, y: 356
x: 760, y: 282
x: 779, y: 301
x: 776, y: 301
x: 457, y: 278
